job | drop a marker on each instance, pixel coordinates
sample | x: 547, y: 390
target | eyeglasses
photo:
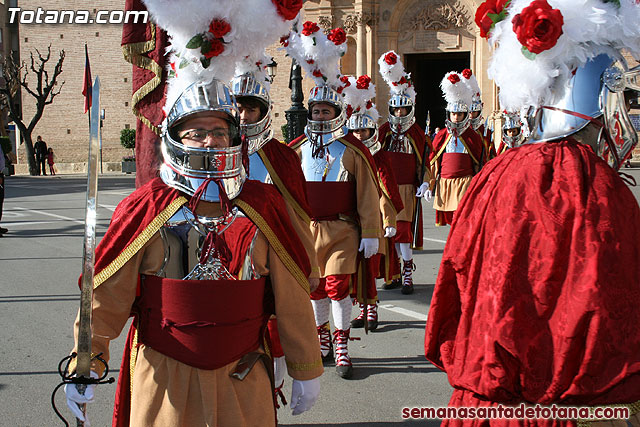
x: 200, y: 135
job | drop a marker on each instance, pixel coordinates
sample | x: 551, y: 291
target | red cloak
x: 286, y: 173
x: 537, y: 295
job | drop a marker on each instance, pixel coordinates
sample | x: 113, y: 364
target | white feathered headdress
x: 392, y: 71
x: 208, y: 38
x: 358, y: 94
x: 532, y: 67
x: 470, y: 79
x: 457, y: 92
x: 256, y: 64
x: 317, y: 53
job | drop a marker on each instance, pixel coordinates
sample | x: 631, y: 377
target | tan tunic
x: 448, y: 191
x: 303, y: 231
x: 166, y: 392
x: 337, y: 242
x: 408, y: 194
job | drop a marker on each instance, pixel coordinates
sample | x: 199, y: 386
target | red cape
x: 286, y: 173
x: 537, y: 295
x: 139, y: 216
x: 472, y: 140
x: 388, y: 183
x: 489, y: 147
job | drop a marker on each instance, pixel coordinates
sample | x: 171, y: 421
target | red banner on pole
x: 86, y: 84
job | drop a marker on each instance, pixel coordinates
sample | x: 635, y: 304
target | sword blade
x: 88, y: 254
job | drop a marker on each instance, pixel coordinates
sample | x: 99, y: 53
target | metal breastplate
x: 183, y: 238
x: 400, y: 145
x: 257, y: 170
x: 328, y: 168
x: 453, y: 147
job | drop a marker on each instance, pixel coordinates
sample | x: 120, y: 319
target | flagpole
x: 86, y: 55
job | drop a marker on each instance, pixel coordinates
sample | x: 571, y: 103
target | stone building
x: 431, y: 36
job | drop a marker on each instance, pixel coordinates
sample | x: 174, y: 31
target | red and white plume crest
x: 208, y: 38
x: 256, y: 64
x: 455, y: 89
x: 393, y: 73
x: 470, y: 79
x: 534, y: 70
x: 358, y: 95
x: 317, y: 53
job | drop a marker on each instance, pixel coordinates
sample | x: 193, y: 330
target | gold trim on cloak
x: 133, y: 53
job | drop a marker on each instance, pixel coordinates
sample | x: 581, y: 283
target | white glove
x: 303, y: 395
x: 424, y: 187
x: 74, y: 398
x: 279, y: 370
x: 390, y: 231
x: 428, y: 195
x: 369, y: 245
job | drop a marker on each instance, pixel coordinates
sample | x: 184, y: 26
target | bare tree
x: 44, y: 93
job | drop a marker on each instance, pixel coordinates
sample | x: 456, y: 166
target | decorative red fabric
x: 329, y: 199
x: 148, y: 156
x: 388, y: 179
x: 122, y: 404
x: 456, y: 165
x: 403, y: 166
x: 195, y: 321
x: 389, y: 263
x: 537, y: 295
x: 489, y: 147
x: 444, y: 217
x: 274, y: 338
x: 403, y: 232
x: 335, y: 287
x: 286, y: 165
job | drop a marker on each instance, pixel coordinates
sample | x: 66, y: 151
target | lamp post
x: 297, y: 114
x: 272, y: 68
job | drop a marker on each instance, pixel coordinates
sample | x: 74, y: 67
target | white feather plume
x: 358, y: 98
x: 456, y: 92
x: 590, y: 28
x: 393, y: 75
x: 255, y: 24
x: 255, y: 64
x: 316, y: 53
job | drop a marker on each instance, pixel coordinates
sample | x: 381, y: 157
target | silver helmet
x: 186, y: 168
x: 259, y: 133
x: 323, y: 132
x: 364, y: 121
x: 399, y: 125
x: 476, y: 105
x: 460, y: 127
x: 512, y: 121
x: 595, y: 90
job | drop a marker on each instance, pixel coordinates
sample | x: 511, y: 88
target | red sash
x: 456, y: 165
x: 329, y: 199
x: 404, y: 167
x: 206, y: 324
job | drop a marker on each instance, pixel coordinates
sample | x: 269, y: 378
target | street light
x: 272, y: 69
x: 297, y: 114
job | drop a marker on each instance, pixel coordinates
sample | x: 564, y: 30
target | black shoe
x: 395, y: 284
x: 3, y: 230
x: 357, y: 323
x: 329, y: 359
x: 344, y: 371
x: 373, y: 325
x: 407, y: 289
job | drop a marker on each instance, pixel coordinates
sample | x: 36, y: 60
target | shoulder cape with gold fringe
x: 138, y: 217
x: 286, y: 173
x: 470, y: 139
x: 387, y: 180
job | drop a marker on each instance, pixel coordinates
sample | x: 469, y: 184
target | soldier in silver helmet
x: 538, y: 284
x: 512, y: 135
x: 273, y: 162
x: 343, y: 194
x: 197, y: 246
x: 405, y: 142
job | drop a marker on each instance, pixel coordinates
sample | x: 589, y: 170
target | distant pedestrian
x: 2, y: 166
x: 51, y: 161
x: 40, y: 148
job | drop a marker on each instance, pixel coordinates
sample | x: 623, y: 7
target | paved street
x: 40, y: 260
